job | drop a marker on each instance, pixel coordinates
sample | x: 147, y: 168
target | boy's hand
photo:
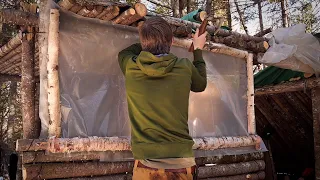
x: 199, y: 41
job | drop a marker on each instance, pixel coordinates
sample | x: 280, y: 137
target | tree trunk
x: 316, y: 128
x: 181, y: 7
x: 230, y: 169
x: 188, y: 6
x: 284, y: 14
x: 30, y: 125
x: 241, y: 17
x: 11, y: 16
x: 175, y: 8
x: 260, y: 15
x: 208, y: 8
x: 229, y: 14
x: 250, y: 96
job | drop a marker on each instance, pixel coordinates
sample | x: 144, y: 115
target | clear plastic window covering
x: 93, y: 97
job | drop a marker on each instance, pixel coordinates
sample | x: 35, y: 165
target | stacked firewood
x: 135, y: 16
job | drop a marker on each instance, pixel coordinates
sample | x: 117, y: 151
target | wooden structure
x: 80, y: 157
x: 287, y: 117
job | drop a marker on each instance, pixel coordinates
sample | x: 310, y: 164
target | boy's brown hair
x: 156, y: 36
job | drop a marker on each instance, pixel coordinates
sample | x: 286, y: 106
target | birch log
x: 30, y: 124
x: 140, y: 10
x: 11, y: 16
x: 231, y: 169
x: 95, y: 12
x: 12, y: 44
x: 114, y: 12
x: 84, y: 11
x: 53, y: 77
x: 125, y: 15
x: 213, y: 47
x: 66, y: 4
x: 250, y: 96
x: 91, y: 144
x: 76, y: 8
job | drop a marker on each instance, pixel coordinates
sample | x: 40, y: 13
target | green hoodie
x: 158, y: 97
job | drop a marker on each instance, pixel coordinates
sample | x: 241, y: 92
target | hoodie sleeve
x: 199, y: 73
x: 125, y: 55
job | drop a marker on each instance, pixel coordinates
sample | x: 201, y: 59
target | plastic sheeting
x: 292, y: 48
x: 93, y: 99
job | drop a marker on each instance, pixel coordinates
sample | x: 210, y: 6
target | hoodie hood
x: 155, y: 66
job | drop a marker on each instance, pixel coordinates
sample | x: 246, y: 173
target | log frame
x: 18, y: 17
x: 288, y: 86
x: 6, y: 77
x: 94, y: 144
x: 53, y: 76
x: 86, y: 169
x: 315, y: 93
x: 30, y: 125
x: 250, y: 96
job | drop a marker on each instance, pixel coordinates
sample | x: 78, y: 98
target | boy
x: 158, y: 85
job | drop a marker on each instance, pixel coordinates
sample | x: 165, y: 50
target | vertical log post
x: 53, y: 76
x: 30, y: 126
x: 316, y: 128
x: 250, y: 95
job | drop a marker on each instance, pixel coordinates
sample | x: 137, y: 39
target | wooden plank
x: 63, y: 145
x: 299, y: 85
x: 316, y: 128
x: 71, y: 170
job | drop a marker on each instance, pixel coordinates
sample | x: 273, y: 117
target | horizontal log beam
x: 91, y: 144
x: 210, y: 29
x: 11, y: 45
x: 12, y: 16
x: 42, y: 157
x: 111, y: 177
x: 71, y: 170
x: 252, y: 176
x: 86, y: 169
x: 213, y: 47
x: 231, y: 169
x: 5, y: 77
x: 288, y: 87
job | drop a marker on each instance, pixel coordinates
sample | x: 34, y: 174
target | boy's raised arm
x: 199, y: 73
x: 128, y: 53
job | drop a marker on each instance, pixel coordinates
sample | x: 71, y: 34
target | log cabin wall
x: 285, y: 121
x: 40, y: 165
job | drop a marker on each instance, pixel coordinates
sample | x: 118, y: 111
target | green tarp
x: 274, y: 75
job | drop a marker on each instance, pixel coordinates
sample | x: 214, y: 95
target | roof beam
x: 12, y: 16
x: 6, y: 77
x: 288, y: 87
